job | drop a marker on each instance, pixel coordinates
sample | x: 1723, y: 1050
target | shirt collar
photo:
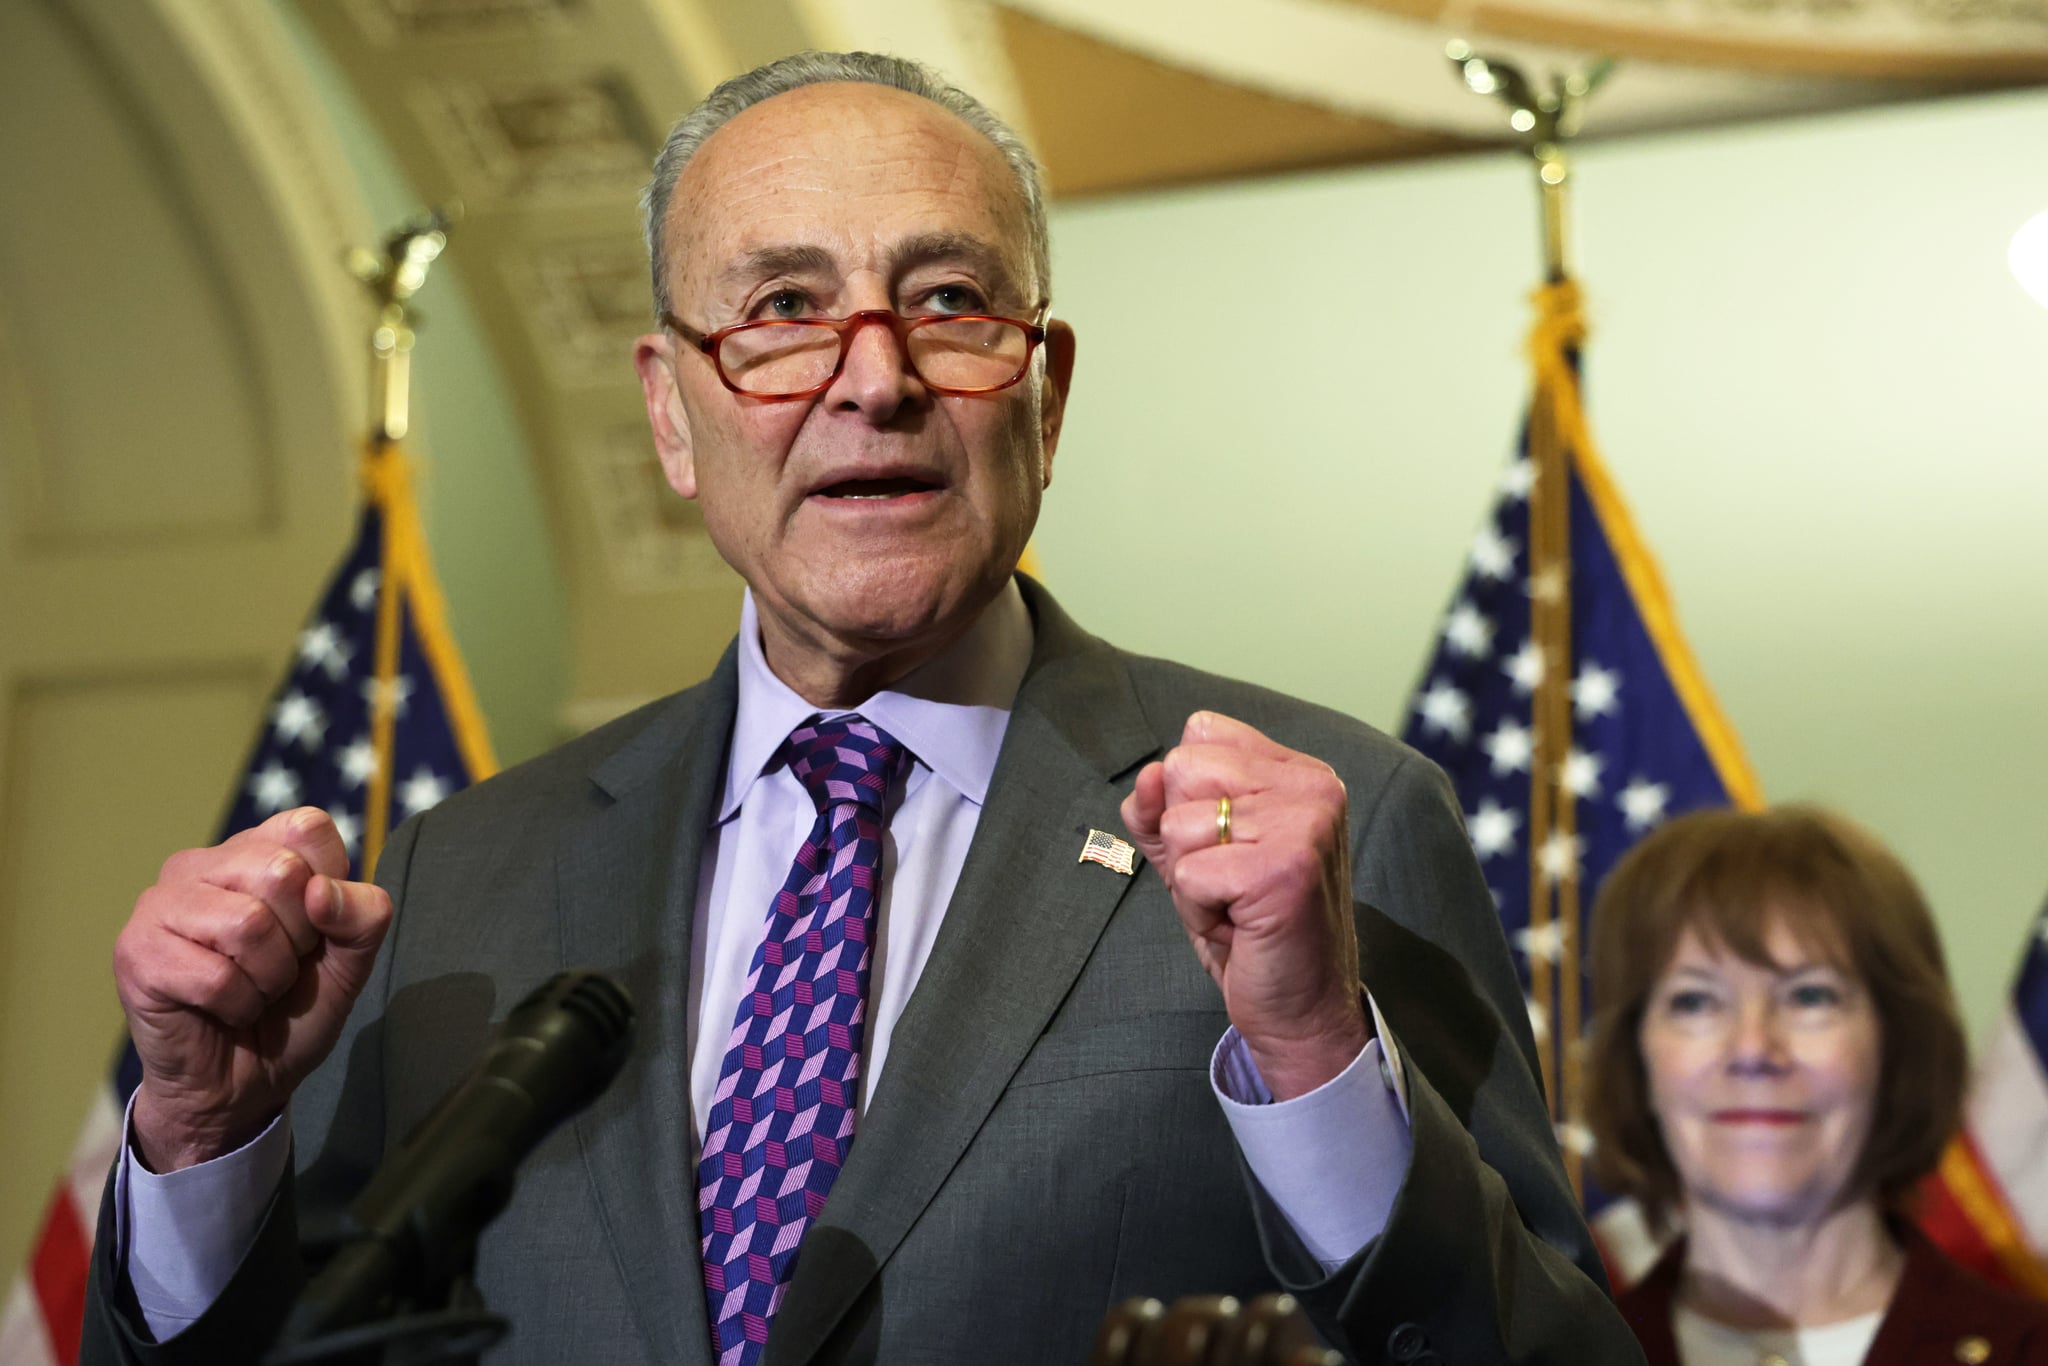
x: 951, y: 711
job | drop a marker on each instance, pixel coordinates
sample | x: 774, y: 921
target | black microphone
x: 415, y: 1225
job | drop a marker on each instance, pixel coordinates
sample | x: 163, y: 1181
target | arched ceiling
x: 542, y: 115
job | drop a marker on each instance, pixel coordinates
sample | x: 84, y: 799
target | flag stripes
x: 1987, y: 1204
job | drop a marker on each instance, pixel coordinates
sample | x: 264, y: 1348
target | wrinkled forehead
x: 852, y: 170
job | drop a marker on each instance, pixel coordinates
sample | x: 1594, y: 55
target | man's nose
x: 876, y: 379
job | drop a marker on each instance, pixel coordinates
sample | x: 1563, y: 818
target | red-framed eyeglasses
x: 950, y: 353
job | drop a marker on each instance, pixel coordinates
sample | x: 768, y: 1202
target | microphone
x: 416, y: 1223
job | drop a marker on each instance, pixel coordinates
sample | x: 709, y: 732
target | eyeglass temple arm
x: 700, y: 340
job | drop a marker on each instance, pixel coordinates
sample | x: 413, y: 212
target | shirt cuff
x: 1332, y: 1160
x: 182, y: 1234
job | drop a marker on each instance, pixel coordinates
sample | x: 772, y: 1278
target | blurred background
x: 1297, y: 252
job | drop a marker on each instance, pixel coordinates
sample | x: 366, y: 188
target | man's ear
x: 1059, y: 378
x: 653, y: 357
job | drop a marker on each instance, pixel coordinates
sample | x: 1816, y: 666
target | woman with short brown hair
x: 1778, y: 1059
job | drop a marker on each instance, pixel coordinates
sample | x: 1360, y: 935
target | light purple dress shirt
x: 1332, y: 1160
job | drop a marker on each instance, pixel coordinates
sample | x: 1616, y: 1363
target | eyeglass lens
x: 789, y: 358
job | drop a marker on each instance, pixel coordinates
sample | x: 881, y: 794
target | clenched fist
x: 237, y: 971
x: 1269, y: 912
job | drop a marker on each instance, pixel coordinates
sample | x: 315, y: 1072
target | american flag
x: 1109, y: 851
x: 1571, y: 718
x: 1987, y: 1204
x: 378, y: 636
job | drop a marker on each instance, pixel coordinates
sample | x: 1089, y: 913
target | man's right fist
x: 237, y: 971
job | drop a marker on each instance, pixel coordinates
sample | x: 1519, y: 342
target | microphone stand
x: 398, y: 1286
x: 456, y: 1333
x: 454, y: 1336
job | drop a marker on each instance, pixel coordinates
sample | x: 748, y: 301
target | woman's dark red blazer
x: 1941, y: 1315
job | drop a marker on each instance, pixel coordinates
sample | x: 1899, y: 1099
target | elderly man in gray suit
x: 971, y: 1068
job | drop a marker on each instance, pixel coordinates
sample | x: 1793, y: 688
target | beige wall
x: 1811, y: 373
x: 181, y: 391
x: 172, y: 402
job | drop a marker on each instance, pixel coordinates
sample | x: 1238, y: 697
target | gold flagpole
x: 392, y: 279
x: 1547, y: 120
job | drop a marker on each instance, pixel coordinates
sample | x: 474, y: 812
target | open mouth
x: 878, y: 489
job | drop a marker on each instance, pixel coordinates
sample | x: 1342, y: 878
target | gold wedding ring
x: 1223, y: 820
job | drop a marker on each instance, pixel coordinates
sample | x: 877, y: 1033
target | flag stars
x: 1493, y: 555
x: 392, y: 695
x: 1525, y: 668
x: 1518, y: 479
x: 274, y: 788
x: 1596, y: 691
x: 1493, y: 828
x: 1446, y: 710
x: 1539, y: 1020
x: 297, y: 719
x: 1579, y: 774
x: 1575, y: 1138
x: 1642, y: 803
x: 1511, y: 747
x: 421, y: 791
x: 358, y: 762
x: 1559, y: 857
x: 321, y: 646
x: 362, y: 590
x: 348, y: 825
x: 1546, y: 943
x: 1468, y: 632
x: 1547, y: 584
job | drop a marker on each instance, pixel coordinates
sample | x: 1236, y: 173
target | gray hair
x: 824, y: 68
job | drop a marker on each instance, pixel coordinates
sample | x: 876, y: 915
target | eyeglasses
x: 950, y: 353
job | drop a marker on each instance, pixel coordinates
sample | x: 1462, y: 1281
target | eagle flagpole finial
x: 392, y: 278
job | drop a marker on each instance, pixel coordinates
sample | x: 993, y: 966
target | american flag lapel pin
x: 1109, y: 851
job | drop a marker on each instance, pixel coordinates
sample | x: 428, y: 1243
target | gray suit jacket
x: 1043, y: 1142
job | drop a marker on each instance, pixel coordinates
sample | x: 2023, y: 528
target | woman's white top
x: 1703, y: 1342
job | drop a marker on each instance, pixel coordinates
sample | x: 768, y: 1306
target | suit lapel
x: 627, y: 891
x: 1022, y: 921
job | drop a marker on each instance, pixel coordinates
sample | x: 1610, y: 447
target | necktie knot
x: 845, y: 759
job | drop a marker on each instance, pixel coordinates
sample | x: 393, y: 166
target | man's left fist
x: 1269, y: 912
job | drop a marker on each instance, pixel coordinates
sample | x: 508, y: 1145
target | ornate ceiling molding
x: 1948, y: 42
x: 1352, y: 59
x: 542, y: 118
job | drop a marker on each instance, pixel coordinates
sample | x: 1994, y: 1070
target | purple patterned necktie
x: 782, y: 1117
